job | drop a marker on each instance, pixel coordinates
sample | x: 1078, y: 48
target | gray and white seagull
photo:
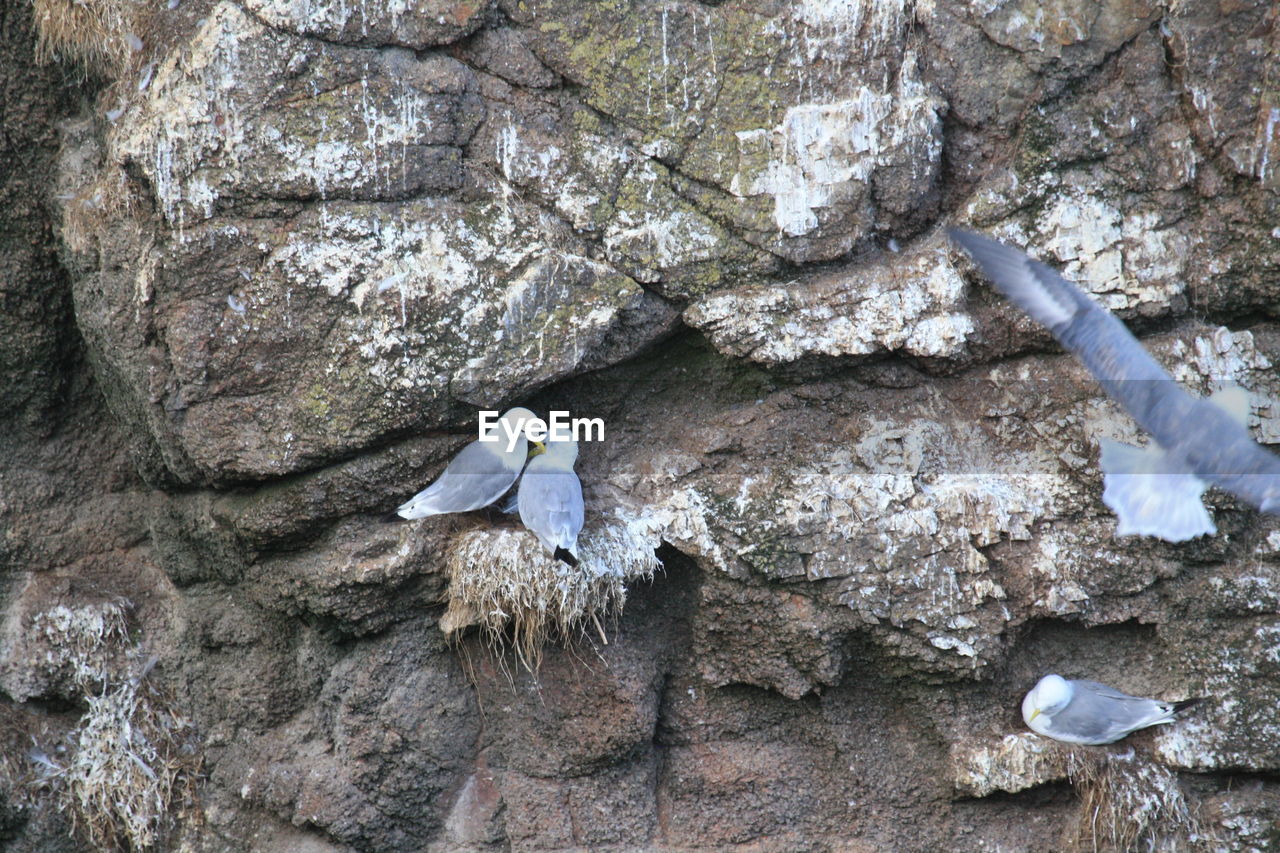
x: 1154, y: 491
x: 480, y: 473
x: 550, y: 499
x: 1092, y: 713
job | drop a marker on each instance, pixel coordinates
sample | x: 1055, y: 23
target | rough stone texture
x: 910, y: 304
x: 34, y: 299
x: 1011, y: 764
x: 256, y: 288
x: 414, y: 25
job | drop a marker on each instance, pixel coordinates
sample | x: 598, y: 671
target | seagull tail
x: 1179, y: 707
x: 566, y: 556
x: 393, y: 517
x: 421, y: 505
x: 1152, y: 496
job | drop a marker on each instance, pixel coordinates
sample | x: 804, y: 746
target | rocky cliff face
x: 262, y: 261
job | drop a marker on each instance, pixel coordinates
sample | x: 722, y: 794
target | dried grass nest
x: 505, y: 582
x: 1128, y: 802
x: 101, y: 34
x: 130, y: 766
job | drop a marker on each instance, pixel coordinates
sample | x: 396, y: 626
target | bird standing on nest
x: 550, y: 499
x: 478, y: 475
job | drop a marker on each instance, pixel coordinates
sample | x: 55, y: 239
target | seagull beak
x: 1034, y: 714
x: 538, y: 447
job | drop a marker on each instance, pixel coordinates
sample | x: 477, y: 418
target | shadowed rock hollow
x: 263, y: 261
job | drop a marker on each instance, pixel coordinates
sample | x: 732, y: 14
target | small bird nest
x: 99, y: 33
x: 504, y: 579
x: 133, y: 769
x: 128, y: 769
x: 1128, y: 802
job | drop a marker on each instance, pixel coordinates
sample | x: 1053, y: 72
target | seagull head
x: 518, y: 419
x: 562, y: 453
x: 1050, y: 695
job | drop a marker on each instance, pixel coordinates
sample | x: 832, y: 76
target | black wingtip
x: 393, y: 517
x: 564, y: 556
x: 1179, y: 707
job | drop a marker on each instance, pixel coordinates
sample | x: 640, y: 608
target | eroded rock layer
x: 262, y: 262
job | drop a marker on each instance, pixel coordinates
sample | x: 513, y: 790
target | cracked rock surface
x: 260, y: 274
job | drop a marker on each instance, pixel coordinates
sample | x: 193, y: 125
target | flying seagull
x: 550, y: 499
x: 1091, y: 713
x: 478, y: 475
x: 1154, y: 491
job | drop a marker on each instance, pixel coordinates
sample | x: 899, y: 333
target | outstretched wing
x: 1027, y: 283
x: 1152, y: 494
x: 1200, y: 436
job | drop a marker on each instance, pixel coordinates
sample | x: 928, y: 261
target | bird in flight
x: 1156, y: 490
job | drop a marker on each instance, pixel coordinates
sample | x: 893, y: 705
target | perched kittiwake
x: 550, y: 499
x: 1091, y: 713
x: 1154, y: 491
x: 479, y: 474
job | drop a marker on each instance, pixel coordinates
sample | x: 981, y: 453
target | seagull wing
x: 550, y: 503
x: 476, y: 477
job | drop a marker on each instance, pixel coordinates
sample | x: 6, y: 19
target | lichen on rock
x: 265, y: 260
x: 910, y: 303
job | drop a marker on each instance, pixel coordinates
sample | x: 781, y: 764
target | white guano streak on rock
x: 821, y: 150
x: 1226, y: 731
x: 529, y: 159
x: 680, y: 518
x: 936, y: 516
x: 191, y: 112
x: 329, y: 16
x: 521, y: 163
x: 816, y: 149
x: 1123, y: 260
x: 1014, y: 763
x: 1084, y: 232
x: 676, y: 237
x: 912, y: 528
x: 914, y: 305
x: 666, y: 232
x: 1055, y: 562
x: 532, y: 299
x: 436, y: 257
x: 827, y: 28
x: 348, y: 155
x: 1266, y: 144
x: 847, y: 17
x: 196, y: 122
x: 1222, y: 358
